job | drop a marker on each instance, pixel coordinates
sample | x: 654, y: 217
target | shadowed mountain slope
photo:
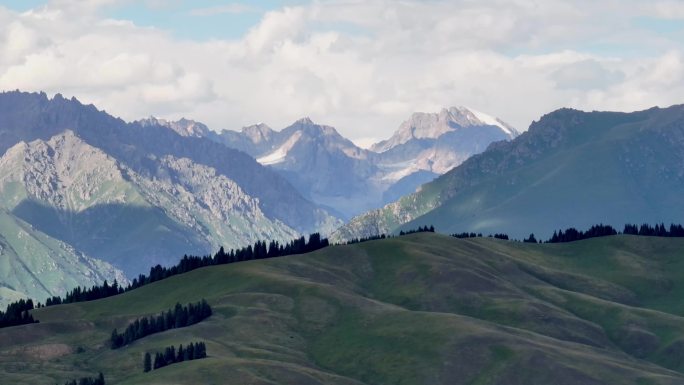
x: 570, y: 169
x: 133, y: 194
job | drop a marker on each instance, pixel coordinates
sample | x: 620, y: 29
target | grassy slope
x: 556, y: 184
x: 570, y: 168
x: 419, y: 309
x: 35, y: 265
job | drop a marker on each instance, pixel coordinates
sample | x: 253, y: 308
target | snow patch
x: 492, y: 121
x: 280, y: 153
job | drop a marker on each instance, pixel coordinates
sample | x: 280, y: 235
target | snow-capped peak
x: 492, y: 121
x: 423, y: 125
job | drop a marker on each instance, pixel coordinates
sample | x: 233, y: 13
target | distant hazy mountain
x: 323, y: 165
x: 332, y: 171
x: 183, y: 127
x: 132, y: 194
x: 437, y: 142
x: 571, y: 168
x: 423, y: 125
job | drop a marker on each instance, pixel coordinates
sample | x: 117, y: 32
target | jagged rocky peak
x: 304, y: 121
x: 258, y: 133
x: 425, y: 125
x: 312, y: 129
x: 183, y: 127
x: 302, y: 139
x: 62, y: 171
x: 27, y: 116
x: 34, y: 102
x: 305, y: 124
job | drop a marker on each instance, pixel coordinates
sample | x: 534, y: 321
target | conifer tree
x: 158, y: 358
x: 530, y: 239
x: 190, y: 352
x: 147, y: 365
x: 181, y: 354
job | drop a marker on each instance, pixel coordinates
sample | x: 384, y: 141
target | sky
x: 360, y: 66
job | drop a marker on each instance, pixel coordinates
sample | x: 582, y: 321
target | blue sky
x: 199, y: 19
x: 186, y: 19
x: 216, y: 19
x: 362, y: 66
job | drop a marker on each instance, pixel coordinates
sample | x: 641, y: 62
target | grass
x: 418, y: 309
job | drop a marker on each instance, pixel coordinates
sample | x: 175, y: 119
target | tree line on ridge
x: 17, y: 312
x: 177, y: 317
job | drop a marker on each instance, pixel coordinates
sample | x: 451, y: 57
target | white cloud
x: 367, y: 142
x: 672, y: 9
x: 362, y: 66
x: 586, y: 75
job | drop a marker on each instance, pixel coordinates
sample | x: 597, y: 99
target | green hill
x: 417, y: 309
x: 35, y: 265
x: 570, y: 169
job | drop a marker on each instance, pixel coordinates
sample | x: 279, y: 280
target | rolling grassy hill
x: 418, y: 309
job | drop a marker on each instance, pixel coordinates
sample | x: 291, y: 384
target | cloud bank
x: 362, y: 66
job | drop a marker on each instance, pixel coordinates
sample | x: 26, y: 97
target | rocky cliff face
x: 136, y: 194
x: 64, y: 187
x: 183, y: 127
x: 334, y: 172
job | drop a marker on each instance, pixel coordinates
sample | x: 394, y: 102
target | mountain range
x: 570, y: 169
x: 99, y: 198
x: 83, y: 185
x: 348, y: 180
x: 87, y: 197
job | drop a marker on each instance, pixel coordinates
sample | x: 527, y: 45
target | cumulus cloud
x: 362, y: 66
x: 586, y: 75
x: 672, y: 9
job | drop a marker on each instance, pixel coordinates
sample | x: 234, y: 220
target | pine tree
x: 157, y: 361
x: 114, y: 339
x: 170, y: 355
x: 181, y: 354
x: 147, y: 365
x: 530, y: 239
x: 202, y: 350
x: 190, y: 352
